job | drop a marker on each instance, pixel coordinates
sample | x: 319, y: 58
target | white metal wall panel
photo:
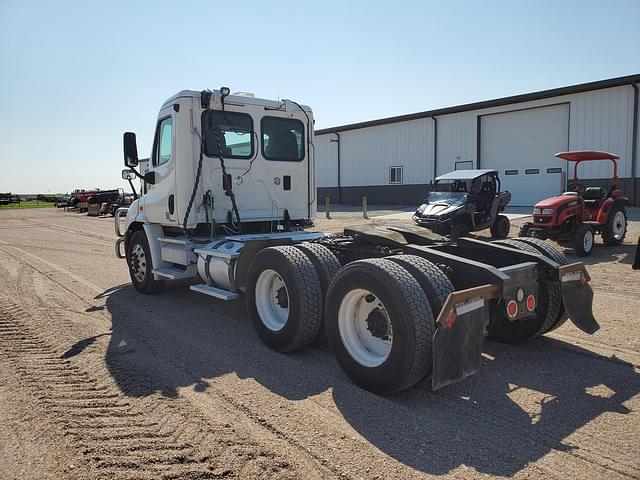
x: 456, y: 140
x: 366, y: 154
x: 526, y: 140
x: 326, y: 157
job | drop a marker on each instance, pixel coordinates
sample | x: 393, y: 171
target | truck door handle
x: 171, y: 204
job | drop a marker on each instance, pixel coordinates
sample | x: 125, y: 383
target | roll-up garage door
x: 521, y: 145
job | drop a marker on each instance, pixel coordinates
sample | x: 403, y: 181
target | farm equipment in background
x: 106, y: 202
x: 465, y: 201
x: 576, y: 216
x: 228, y: 193
x: 8, y: 199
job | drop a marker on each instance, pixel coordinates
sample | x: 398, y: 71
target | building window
x: 282, y: 139
x: 554, y: 170
x: 532, y: 171
x: 395, y: 174
x: 464, y: 165
x: 511, y: 172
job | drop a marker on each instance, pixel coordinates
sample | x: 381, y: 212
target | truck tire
x: 433, y: 281
x: 284, y: 298
x: 380, y: 325
x: 327, y: 266
x: 500, y: 227
x: 549, y: 306
x: 548, y: 251
x: 584, y: 240
x: 614, y: 232
x: 140, y: 263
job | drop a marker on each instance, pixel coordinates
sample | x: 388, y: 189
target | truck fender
x: 153, y: 231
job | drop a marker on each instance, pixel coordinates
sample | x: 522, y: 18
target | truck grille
x: 540, y: 219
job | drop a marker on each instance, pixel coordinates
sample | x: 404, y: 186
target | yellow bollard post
x: 327, y: 205
x: 365, y: 212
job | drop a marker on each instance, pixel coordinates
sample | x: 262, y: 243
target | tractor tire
x: 284, y: 298
x: 584, y: 240
x: 501, y: 226
x: 616, y: 228
x: 392, y: 349
x: 140, y: 263
x: 327, y: 266
x: 525, y: 230
x: 548, y: 309
x: 548, y: 251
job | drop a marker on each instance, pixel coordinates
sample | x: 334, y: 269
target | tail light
x: 531, y: 303
x: 512, y: 309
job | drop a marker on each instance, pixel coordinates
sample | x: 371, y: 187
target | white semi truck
x: 227, y: 196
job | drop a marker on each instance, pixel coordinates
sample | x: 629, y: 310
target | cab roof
x: 237, y: 98
x: 465, y: 174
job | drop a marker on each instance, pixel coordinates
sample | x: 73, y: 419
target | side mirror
x: 128, y: 174
x: 130, y: 149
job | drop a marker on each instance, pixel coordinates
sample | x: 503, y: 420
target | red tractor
x: 576, y: 216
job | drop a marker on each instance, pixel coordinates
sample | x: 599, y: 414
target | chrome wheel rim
x: 272, y: 300
x: 365, y: 327
x: 587, y: 241
x: 619, y: 225
x: 138, y: 262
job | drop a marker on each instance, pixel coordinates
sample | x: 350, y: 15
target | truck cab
x: 263, y: 148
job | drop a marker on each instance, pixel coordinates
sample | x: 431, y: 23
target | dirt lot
x: 97, y: 381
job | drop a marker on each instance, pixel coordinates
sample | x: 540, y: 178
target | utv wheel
x: 584, y: 240
x: 548, y: 308
x: 459, y: 230
x: 380, y: 325
x: 138, y: 255
x: 548, y: 251
x: 500, y: 227
x: 284, y: 298
x: 327, y: 266
x: 616, y: 228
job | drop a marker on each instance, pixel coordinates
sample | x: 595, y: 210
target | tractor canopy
x: 587, y: 156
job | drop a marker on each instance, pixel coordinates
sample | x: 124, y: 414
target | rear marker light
x: 531, y: 303
x: 451, y: 319
x: 512, y: 309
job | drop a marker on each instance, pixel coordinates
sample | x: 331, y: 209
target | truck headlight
x: 547, y: 211
x: 536, y: 211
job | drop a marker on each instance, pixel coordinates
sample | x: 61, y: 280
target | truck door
x: 159, y: 205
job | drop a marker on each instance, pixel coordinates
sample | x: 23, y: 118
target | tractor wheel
x: 327, y: 266
x: 284, y: 298
x: 616, y: 228
x: 584, y: 240
x: 138, y: 255
x: 548, y: 251
x: 380, y: 325
x: 548, y: 308
x: 525, y: 230
x: 501, y: 227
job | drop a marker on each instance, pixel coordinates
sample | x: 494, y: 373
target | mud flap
x: 460, y: 328
x: 577, y: 296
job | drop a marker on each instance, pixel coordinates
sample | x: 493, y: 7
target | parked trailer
x: 229, y: 193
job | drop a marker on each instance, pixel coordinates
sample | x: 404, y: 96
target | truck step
x: 217, y: 253
x: 172, y: 273
x: 176, y: 241
x: 214, y: 292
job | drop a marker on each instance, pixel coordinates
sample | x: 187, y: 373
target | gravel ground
x: 97, y: 381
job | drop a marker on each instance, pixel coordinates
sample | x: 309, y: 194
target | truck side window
x: 282, y: 139
x: 235, y: 132
x: 164, y: 142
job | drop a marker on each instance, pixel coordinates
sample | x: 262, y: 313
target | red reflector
x: 451, y: 319
x: 512, y: 309
x: 531, y: 303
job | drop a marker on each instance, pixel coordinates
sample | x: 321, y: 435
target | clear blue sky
x: 76, y: 74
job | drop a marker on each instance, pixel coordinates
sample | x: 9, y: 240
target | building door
x: 521, y: 145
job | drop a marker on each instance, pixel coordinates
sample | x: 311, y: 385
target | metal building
x: 392, y: 160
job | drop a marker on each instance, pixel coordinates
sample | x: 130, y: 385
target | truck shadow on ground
x: 523, y: 404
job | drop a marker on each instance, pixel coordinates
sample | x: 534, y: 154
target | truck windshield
x: 454, y: 186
